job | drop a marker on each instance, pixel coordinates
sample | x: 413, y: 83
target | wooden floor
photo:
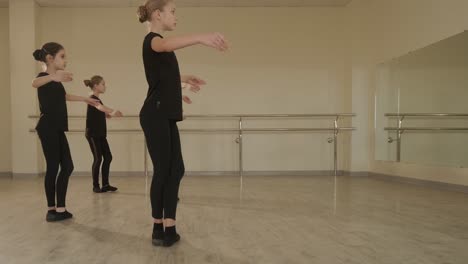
x: 266, y: 220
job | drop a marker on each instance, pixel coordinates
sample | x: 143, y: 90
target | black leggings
x: 163, y: 142
x: 102, y: 154
x: 57, y: 153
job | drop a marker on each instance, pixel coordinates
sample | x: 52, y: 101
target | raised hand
x: 214, y: 40
x: 118, y: 114
x: 194, y: 82
x: 186, y: 99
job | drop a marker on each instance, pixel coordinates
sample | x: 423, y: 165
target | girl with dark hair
x: 53, y: 123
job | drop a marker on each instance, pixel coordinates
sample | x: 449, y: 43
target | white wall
x: 5, y: 132
x: 384, y: 30
x: 276, y: 65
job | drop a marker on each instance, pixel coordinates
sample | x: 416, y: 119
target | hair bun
x: 87, y: 83
x: 39, y: 55
x: 142, y: 14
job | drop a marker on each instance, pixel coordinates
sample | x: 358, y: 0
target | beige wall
x: 22, y: 37
x: 384, y: 30
x: 5, y: 132
x: 297, y: 65
x: 317, y: 60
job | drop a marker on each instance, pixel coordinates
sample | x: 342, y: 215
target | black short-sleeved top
x: 95, y: 121
x: 164, y: 97
x: 53, y: 106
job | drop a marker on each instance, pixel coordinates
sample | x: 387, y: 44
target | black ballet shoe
x: 51, y: 215
x: 60, y: 216
x: 170, y: 236
x: 158, y: 239
x: 158, y: 234
x: 109, y: 188
x: 170, y: 240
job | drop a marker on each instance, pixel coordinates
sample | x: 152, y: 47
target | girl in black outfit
x: 52, y: 125
x: 163, y: 109
x: 96, y: 134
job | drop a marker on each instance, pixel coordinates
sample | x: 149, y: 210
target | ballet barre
x: 399, y: 129
x: 241, y: 130
x: 425, y: 115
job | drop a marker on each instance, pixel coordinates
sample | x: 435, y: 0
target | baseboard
x: 420, y: 182
x: 225, y: 173
x: 201, y: 173
x: 6, y: 175
x: 292, y: 173
x: 26, y: 175
x: 211, y: 173
x: 112, y: 173
x: 379, y: 176
x: 357, y: 173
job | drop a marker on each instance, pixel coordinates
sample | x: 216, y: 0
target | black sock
x: 158, y: 228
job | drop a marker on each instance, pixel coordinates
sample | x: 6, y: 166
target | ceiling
x: 191, y: 3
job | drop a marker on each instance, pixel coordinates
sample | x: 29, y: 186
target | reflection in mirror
x: 410, y: 91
